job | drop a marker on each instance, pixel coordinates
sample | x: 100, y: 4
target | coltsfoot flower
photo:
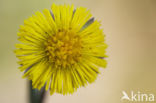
x: 61, y: 49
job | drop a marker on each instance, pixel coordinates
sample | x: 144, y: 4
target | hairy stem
x: 36, y: 96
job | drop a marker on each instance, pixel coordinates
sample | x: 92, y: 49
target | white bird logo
x: 125, y: 96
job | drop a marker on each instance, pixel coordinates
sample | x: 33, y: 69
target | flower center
x: 64, y: 48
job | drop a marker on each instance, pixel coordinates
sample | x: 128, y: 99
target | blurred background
x: 130, y: 28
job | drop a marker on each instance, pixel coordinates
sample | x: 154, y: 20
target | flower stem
x: 36, y: 96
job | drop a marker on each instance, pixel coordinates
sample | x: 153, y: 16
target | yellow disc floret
x: 63, y: 48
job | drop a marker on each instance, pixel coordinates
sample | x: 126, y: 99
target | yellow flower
x: 61, y: 49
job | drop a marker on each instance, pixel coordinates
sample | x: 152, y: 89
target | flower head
x: 61, y: 49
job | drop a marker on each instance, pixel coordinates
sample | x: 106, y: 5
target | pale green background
x: 130, y: 28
